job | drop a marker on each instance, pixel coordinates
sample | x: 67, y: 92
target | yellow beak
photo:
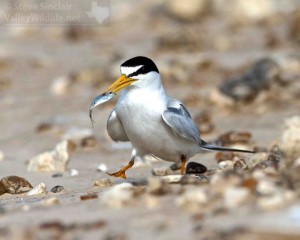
x: 120, y: 83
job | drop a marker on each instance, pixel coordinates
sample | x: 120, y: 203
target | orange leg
x: 183, y: 161
x: 121, y: 173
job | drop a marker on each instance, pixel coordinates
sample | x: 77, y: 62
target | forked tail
x: 207, y: 146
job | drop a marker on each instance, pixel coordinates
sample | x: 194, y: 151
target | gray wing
x: 115, y: 128
x: 179, y: 120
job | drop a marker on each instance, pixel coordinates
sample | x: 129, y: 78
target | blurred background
x: 50, y: 74
x: 234, y: 63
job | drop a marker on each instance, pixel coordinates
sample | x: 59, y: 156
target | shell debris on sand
x: 104, y: 182
x: 39, y: 189
x: 1, y: 155
x: 56, y: 160
x: 118, y: 196
x: 290, y: 142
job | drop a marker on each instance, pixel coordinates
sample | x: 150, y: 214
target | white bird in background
x: 145, y: 115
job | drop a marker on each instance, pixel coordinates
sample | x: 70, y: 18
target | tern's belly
x: 149, y: 134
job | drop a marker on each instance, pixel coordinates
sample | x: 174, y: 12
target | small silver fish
x: 99, y: 100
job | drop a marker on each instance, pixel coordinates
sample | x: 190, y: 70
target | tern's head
x: 139, y: 72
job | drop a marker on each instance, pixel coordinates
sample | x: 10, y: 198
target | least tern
x: 153, y: 122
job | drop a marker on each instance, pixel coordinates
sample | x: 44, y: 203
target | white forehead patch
x: 129, y: 70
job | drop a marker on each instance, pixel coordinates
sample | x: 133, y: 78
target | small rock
x: 61, y: 85
x: 226, y: 164
x: 102, y: 167
x: 1, y: 155
x: 74, y: 172
x: 55, y: 160
x: 162, y: 171
x: 256, y: 159
x: 269, y: 166
x: 195, y: 168
x: 88, y: 196
x: 56, y: 175
x: 266, y: 187
x: 172, y: 178
x: 57, y: 189
x: 240, y: 164
x: 15, y: 185
x: 290, y: 140
x: 50, y: 201
x: 187, y: 10
x: 105, y: 182
x: 39, y: 189
x: 236, y: 196
x: 118, y: 196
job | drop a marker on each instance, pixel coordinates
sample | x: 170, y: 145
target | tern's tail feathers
x: 222, y: 149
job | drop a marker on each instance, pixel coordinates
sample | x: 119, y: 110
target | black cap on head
x: 147, y: 65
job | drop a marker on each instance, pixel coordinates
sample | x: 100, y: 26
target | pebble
x: 256, y: 158
x: 117, y: 196
x: 39, y: 189
x: 56, y: 160
x: 74, y: 172
x: 235, y: 196
x: 226, y: 164
x: 104, y: 182
x: 1, y: 155
x: 57, y: 189
x: 240, y: 164
x: 56, y: 175
x: 102, y: 167
x: 290, y: 140
x: 266, y: 187
x: 88, y: 196
x: 195, y: 168
x: 14, y: 185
